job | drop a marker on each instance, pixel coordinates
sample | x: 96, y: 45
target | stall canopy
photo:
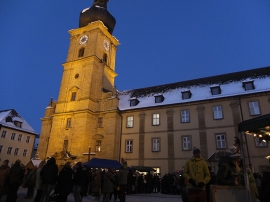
x: 259, y: 126
x: 143, y: 168
x: 102, y: 163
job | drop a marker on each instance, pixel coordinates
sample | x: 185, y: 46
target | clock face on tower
x: 106, y: 45
x: 83, y: 39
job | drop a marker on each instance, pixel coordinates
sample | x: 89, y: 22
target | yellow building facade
x: 156, y: 126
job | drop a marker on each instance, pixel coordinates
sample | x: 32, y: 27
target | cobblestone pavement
x: 154, y: 197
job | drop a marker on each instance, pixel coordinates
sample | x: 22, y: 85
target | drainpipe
x: 120, y: 138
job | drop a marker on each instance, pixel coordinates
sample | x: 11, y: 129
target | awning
x: 102, y: 163
x: 143, y: 168
x: 254, y: 124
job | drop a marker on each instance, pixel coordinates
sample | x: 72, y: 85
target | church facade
x: 156, y: 126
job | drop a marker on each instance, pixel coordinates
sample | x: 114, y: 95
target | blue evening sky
x: 161, y: 41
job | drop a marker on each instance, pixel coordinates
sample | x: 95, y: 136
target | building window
x: 16, y: 152
x: 221, y: 141
x: 155, y: 119
x: 217, y: 110
x: 155, y: 144
x: 186, y: 95
x: 1, y: 148
x: 9, y: 150
x: 105, y: 58
x: 249, y: 85
x: 73, y: 96
x: 4, y: 133
x: 260, y: 143
x: 134, y: 102
x: 25, y: 152
x: 18, y: 124
x: 186, y: 140
x: 13, y: 135
x: 27, y: 139
x: 20, y: 137
x: 159, y: 99
x: 68, y: 123
x: 129, y: 121
x: 185, y: 116
x: 98, y: 145
x: 254, y: 108
x: 100, y: 122
x: 215, y: 90
x: 81, y: 52
x: 129, y: 145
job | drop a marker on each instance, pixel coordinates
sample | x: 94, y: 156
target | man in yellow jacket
x: 197, y: 174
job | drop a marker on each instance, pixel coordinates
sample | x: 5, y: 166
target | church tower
x: 85, y: 119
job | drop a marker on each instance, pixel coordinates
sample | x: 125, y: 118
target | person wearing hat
x: 4, y: 171
x: 229, y: 168
x: 197, y: 174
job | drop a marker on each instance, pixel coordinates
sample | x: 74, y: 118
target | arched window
x: 81, y: 52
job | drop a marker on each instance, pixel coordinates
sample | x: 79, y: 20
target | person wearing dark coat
x: 96, y: 184
x: 4, y: 172
x: 48, y: 174
x: 15, y: 179
x: 108, y: 184
x: 123, y: 173
x: 85, y: 182
x: 30, y: 182
x: 64, y: 182
x: 78, y: 182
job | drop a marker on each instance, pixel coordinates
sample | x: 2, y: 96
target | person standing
x: 48, y: 174
x: 123, y: 173
x: 78, y: 182
x: 64, y: 182
x: 108, y: 184
x: 197, y: 174
x: 39, y: 181
x: 15, y: 179
x: 30, y: 182
x: 96, y: 184
x: 4, y: 171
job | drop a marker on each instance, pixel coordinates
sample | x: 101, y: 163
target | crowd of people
x: 53, y: 182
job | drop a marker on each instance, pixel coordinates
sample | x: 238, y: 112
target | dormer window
x: 249, y: 85
x: 18, y: 124
x: 186, y: 95
x: 81, y: 52
x: 159, y: 98
x: 134, y: 102
x: 215, y: 90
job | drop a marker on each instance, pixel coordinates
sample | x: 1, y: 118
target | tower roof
x: 98, y: 11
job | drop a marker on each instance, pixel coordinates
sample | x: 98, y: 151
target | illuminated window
x: 98, y: 145
x: 81, y: 52
x: 186, y: 143
x: 129, y: 121
x: 68, y: 123
x: 129, y: 146
x: 217, y: 110
x: 221, y: 141
x: 155, y: 119
x: 156, y: 144
x: 185, y: 116
x: 4, y: 133
x: 254, y: 108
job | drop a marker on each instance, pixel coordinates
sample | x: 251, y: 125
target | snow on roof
x: 7, y: 118
x: 230, y: 85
